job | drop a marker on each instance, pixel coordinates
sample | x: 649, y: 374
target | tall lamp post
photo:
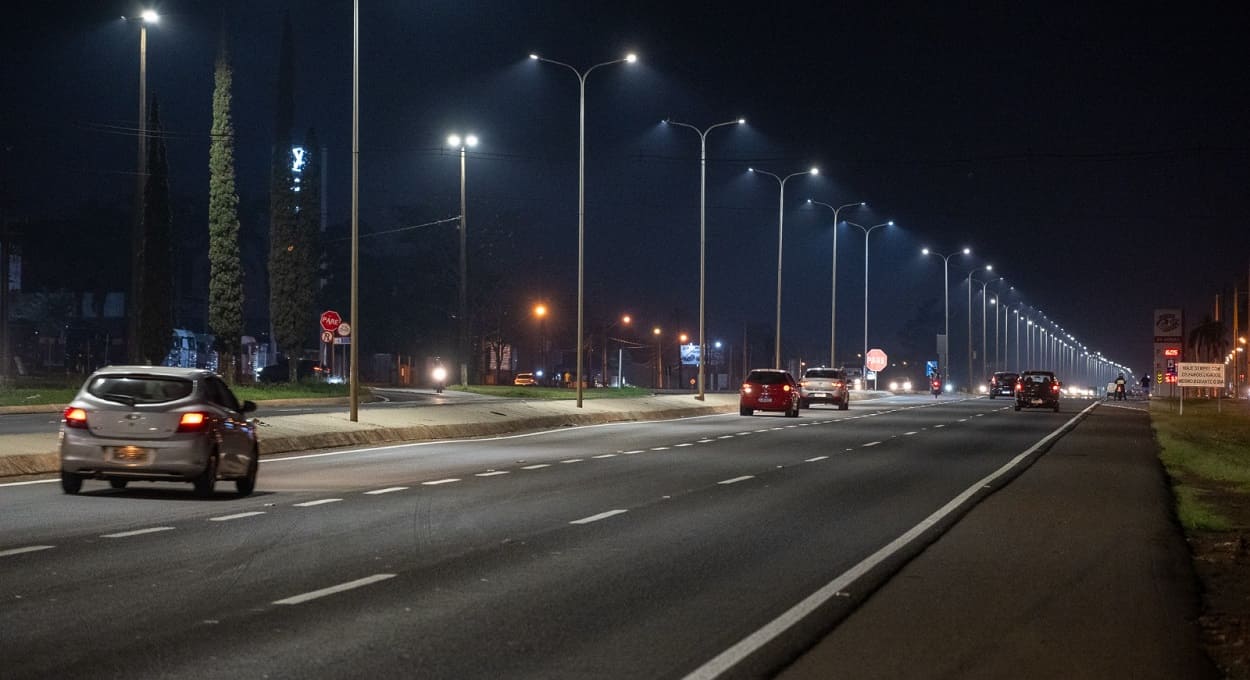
x: 984, y: 353
x: 581, y: 196
x: 988, y: 267
x: 833, y: 306
x: 703, y: 230
x: 659, y: 359
x: 469, y: 141
x: 867, y: 232
x: 946, y: 296
x: 540, y: 311
x: 781, y: 205
x: 141, y: 175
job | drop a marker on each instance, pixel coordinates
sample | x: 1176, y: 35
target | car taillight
x: 785, y: 388
x: 192, y: 422
x: 746, y: 389
x: 839, y: 385
x: 1019, y: 387
x: 75, y: 417
x: 1054, y: 387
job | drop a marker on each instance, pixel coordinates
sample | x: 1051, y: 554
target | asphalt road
x: 640, y: 550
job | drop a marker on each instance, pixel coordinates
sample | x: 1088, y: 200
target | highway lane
x: 630, y: 550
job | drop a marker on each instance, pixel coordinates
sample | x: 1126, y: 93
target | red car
x: 769, y: 389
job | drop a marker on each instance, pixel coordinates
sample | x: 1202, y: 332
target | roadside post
x: 1190, y: 374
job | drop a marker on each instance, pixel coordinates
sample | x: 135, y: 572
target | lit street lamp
x: 702, y: 228
x: 781, y: 205
x: 988, y: 267
x: 984, y: 352
x: 540, y: 311
x: 581, y: 196
x: 833, y: 307
x: 141, y: 175
x: 946, y: 295
x: 867, y: 232
x: 469, y: 141
x: 659, y: 359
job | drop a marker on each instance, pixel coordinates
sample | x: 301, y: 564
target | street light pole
x: 833, y: 306
x: 781, y: 205
x: 703, y: 232
x: 141, y: 174
x: 353, y: 361
x: 468, y: 141
x: 581, y: 196
x: 867, y: 232
x: 983, y: 308
x: 946, y: 295
x: 988, y: 267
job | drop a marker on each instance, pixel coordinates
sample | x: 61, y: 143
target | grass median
x: 1207, y: 454
x: 38, y: 395
x: 536, y: 392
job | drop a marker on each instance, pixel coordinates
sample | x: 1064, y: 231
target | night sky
x: 1097, y: 157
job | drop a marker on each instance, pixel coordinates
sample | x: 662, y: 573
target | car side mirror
x: 248, y: 407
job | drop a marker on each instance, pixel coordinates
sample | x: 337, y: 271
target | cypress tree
x: 156, y: 313
x: 225, y: 285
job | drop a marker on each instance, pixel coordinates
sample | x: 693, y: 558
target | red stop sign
x: 876, y: 360
x: 330, y: 320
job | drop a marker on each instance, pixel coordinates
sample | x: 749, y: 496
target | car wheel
x: 118, y: 483
x: 991, y: 395
x: 846, y: 403
x: 1056, y: 407
x: 744, y: 411
x: 208, y: 479
x: 70, y: 483
x: 246, y: 485
x: 794, y: 412
x: 1017, y: 406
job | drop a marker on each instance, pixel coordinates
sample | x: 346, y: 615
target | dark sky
x: 1098, y: 157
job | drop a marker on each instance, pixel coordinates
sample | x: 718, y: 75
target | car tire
x: 846, y: 403
x: 1056, y: 407
x: 70, y: 483
x: 208, y: 478
x: 1017, y: 406
x: 991, y: 395
x: 744, y: 411
x: 794, y: 412
x: 247, y: 484
x: 118, y: 483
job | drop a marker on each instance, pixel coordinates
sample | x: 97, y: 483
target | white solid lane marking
x: 813, y: 460
x: 753, y: 642
x: 536, y: 467
x: 492, y: 473
x: 389, y: 489
x: 297, y: 599
x: 735, y: 480
x: 37, y: 481
x: 137, y: 532
x: 440, y: 481
x: 27, y: 549
x: 240, y: 515
x: 630, y: 453
x: 323, y: 501
x: 870, y: 444
x: 605, y: 455
x: 596, y: 518
x: 572, y: 460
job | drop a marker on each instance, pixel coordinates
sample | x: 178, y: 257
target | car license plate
x: 128, y: 454
x: 820, y: 394
x: 765, y: 400
x: 1037, y: 401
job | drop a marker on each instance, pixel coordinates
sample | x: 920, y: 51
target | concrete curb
x: 44, y: 463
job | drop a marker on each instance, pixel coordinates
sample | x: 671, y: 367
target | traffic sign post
x: 1189, y: 374
x: 330, y: 320
x: 876, y: 360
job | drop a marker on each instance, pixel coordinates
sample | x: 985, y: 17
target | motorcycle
x: 1119, y: 392
x: 440, y: 377
x: 935, y: 386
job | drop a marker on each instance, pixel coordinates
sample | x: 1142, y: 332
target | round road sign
x: 876, y: 360
x: 327, y: 336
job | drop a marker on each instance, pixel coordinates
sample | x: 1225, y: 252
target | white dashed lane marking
x: 813, y: 460
x: 659, y: 448
x: 735, y: 480
x: 630, y: 453
x: 870, y: 444
x: 297, y: 599
x: 436, y: 482
x: 596, y: 518
x: 27, y: 549
x: 240, y: 515
x: 908, y: 434
x: 536, y: 467
x: 389, y: 489
x: 684, y: 445
x: 322, y: 501
x: 492, y: 473
x: 137, y: 532
x: 605, y: 455
x: 572, y: 460
x: 726, y: 436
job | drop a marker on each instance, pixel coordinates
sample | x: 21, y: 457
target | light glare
x: 150, y: 16
x: 471, y: 140
x: 631, y: 57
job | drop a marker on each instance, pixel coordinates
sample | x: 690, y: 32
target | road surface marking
x: 937, y: 426
x: 726, y: 436
x: 908, y: 434
x: 389, y: 489
x: 492, y: 473
x: 775, y: 429
x: 596, y: 518
x: 963, y: 420
x: 298, y: 599
x: 536, y: 467
x: 748, y: 645
x: 37, y: 481
x: 741, y: 434
x: 763, y: 429
x: 630, y: 453
x: 705, y: 441
x: 241, y: 515
x: 137, y: 532
x: 813, y: 460
x: 27, y: 549
x: 978, y: 415
x: 788, y: 427
x: 572, y: 460
x: 659, y: 448
x: 323, y: 501
x: 440, y: 481
x: 681, y: 446
x: 605, y: 455
x: 870, y: 444
x: 735, y: 480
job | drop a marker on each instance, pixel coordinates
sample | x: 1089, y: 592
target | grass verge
x: 536, y: 392
x: 32, y: 396
x: 1207, y: 454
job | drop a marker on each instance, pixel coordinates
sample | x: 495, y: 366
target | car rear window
x: 826, y: 373
x: 144, y: 389
x: 767, y: 377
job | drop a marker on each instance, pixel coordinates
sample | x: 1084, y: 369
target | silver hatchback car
x: 158, y: 424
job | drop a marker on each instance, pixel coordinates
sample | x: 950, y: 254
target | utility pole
x: 6, y: 250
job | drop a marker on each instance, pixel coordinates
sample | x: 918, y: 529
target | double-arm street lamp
x: 703, y: 229
x: 833, y: 307
x: 867, y: 232
x: 988, y: 268
x: 946, y: 296
x: 984, y: 352
x: 581, y: 196
x: 468, y: 141
x: 781, y: 212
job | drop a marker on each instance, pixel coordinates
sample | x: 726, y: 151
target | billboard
x: 1169, y: 326
x: 690, y: 355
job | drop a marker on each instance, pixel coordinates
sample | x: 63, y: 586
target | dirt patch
x: 1222, y: 562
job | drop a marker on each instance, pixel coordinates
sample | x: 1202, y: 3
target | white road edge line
x: 35, y: 481
x: 241, y: 515
x: 298, y: 599
x: 27, y: 549
x: 596, y: 518
x: 753, y: 642
x: 389, y: 489
x: 321, y: 501
x: 136, y: 532
x: 735, y: 480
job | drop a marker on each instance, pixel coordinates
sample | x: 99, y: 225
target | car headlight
x: 907, y: 386
x: 893, y: 385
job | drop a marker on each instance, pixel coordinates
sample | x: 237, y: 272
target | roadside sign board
x: 1189, y: 374
x: 344, y: 329
x: 876, y: 360
x: 327, y: 336
x: 330, y: 320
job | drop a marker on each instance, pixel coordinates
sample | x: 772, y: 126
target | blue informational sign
x: 930, y: 367
x: 690, y: 355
